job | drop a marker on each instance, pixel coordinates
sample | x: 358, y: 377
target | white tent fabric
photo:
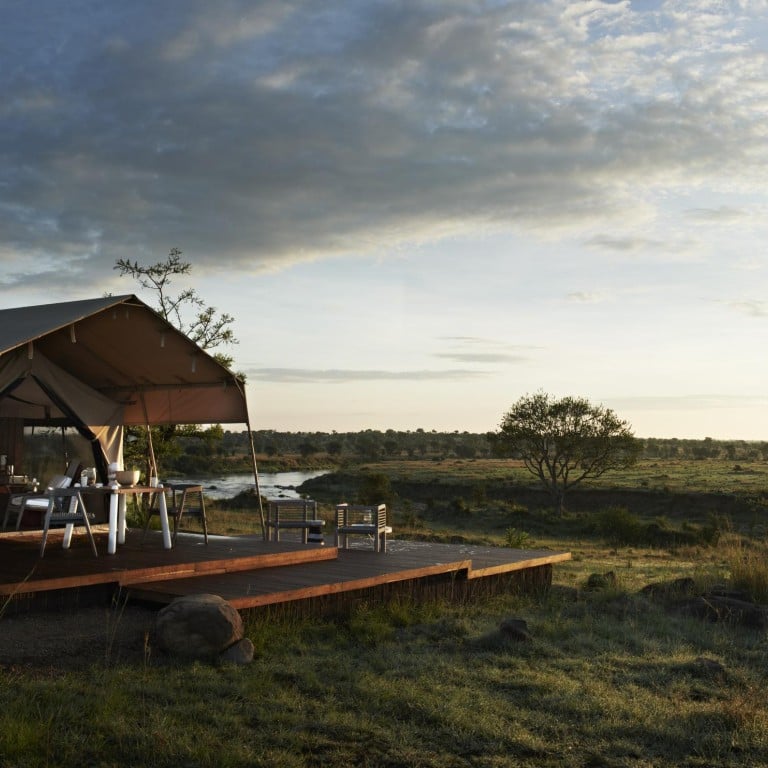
x: 36, y: 390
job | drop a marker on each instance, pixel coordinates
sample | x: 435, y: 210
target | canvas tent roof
x: 126, y: 352
x: 102, y: 364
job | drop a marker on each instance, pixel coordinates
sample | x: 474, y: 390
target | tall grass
x: 608, y: 678
x: 747, y: 565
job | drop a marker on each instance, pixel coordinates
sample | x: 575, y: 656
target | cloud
x: 481, y: 357
x: 693, y: 402
x: 341, y: 376
x: 624, y: 244
x: 722, y: 215
x: 479, y: 350
x: 586, y: 297
x: 271, y: 134
x: 753, y: 308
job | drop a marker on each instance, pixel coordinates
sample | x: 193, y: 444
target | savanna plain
x: 615, y: 670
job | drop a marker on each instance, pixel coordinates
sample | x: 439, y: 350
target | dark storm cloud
x: 260, y: 133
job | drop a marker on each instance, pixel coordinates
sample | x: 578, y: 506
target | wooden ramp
x: 252, y: 573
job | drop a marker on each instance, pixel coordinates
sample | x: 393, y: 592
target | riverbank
x: 275, y: 485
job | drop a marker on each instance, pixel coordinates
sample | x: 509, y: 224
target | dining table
x: 118, y: 503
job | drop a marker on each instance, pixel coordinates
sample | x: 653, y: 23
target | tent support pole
x: 151, y: 448
x: 256, y: 476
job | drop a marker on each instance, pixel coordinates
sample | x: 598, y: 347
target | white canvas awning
x: 122, y: 349
x: 102, y: 364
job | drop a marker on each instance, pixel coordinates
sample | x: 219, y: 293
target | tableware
x: 127, y: 477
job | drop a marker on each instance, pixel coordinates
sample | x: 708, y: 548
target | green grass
x: 607, y: 680
x: 707, y: 475
x: 610, y: 677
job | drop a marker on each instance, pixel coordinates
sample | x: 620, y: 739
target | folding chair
x: 66, y: 507
x: 19, y: 503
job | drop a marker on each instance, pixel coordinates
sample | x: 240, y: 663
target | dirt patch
x: 78, y: 638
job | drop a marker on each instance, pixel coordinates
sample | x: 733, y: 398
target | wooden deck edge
x: 12, y: 591
x: 165, y: 592
x: 232, y: 565
x: 494, y: 570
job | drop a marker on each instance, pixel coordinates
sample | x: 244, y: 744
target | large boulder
x: 198, y: 626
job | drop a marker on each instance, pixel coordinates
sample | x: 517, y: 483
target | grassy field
x: 610, y: 677
x: 707, y: 475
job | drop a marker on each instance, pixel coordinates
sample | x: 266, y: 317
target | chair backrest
x: 292, y: 509
x: 361, y: 514
x: 59, y: 481
x: 73, y: 470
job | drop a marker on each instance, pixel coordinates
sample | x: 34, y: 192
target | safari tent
x: 99, y: 365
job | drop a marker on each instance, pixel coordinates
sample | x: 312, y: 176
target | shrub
x: 376, y: 489
x: 748, y: 566
x: 516, y: 539
x: 619, y: 526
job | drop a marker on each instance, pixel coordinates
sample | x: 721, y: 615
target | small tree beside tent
x: 202, y: 324
x: 564, y: 441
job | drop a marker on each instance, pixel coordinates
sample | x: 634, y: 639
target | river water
x: 274, y: 486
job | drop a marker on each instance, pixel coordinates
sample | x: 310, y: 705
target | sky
x: 416, y: 211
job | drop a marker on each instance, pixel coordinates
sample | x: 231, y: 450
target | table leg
x: 163, y: 508
x: 112, y: 538
x: 121, y: 527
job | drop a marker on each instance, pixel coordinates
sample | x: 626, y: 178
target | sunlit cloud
x: 482, y: 351
x: 309, y: 376
x: 753, y: 308
x: 481, y: 357
x: 586, y: 297
x: 721, y: 215
x: 691, y: 402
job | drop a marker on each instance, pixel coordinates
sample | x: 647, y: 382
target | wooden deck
x: 253, y: 574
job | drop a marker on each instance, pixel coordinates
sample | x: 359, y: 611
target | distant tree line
x: 216, y: 450
x: 381, y: 445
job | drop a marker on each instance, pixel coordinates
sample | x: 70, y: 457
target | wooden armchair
x: 362, y: 520
x: 299, y: 514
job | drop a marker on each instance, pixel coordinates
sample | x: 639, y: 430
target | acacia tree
x: 565, y: 441
x: 207, y: 327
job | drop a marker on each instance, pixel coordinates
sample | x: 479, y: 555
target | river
x: 274, y: 486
